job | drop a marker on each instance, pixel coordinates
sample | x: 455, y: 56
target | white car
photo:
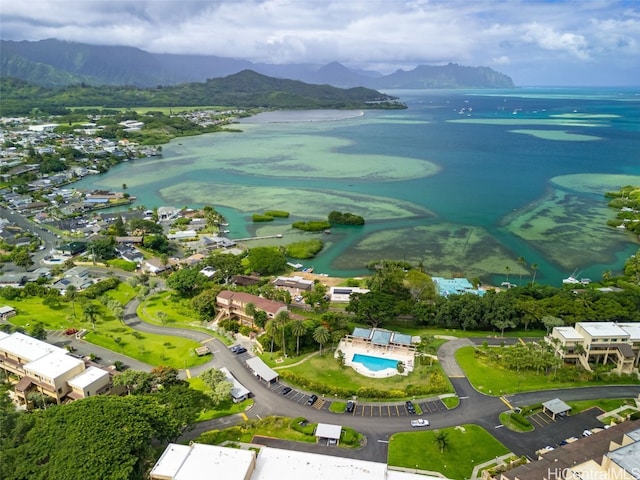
x: 419, y: 422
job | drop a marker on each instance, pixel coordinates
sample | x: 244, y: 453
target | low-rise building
x: 209, y: 462
x: 235, y: 304
x: 37, y: 366
x: 598, y: 342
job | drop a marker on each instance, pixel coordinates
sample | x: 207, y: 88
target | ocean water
x: 491, y: 184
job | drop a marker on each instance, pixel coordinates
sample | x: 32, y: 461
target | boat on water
x: 573, y: 280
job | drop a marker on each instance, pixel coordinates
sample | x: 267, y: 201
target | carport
x: 555, y: 407
x: 261, y: 369
x: 328, y: 432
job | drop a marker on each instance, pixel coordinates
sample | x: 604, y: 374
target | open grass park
x: 466, y: 446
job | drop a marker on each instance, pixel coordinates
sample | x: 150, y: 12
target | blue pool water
x: 374, y: 363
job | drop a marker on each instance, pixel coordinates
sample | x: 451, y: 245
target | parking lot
x: 549, y: 432
x: 363, y: 410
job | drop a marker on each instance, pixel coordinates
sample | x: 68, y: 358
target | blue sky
x: 562, y: 42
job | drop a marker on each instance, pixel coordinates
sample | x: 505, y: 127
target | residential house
x: 294, y: 285
x: 343, y: 294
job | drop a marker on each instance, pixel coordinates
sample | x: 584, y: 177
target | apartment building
x: 231, y: 303
x: 36, y: 366
x: 612, y: 454
x: 598, y: 343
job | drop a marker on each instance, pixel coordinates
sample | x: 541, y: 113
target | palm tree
x: 70, y: 294
x: 523, y: 263
x: 321, y: 335
x: 271, y: 327
x: 442, y: 440
x: 534, y: 267
x: 90, y: 312
x: 250, y: 311
x: 282, y: 320
x: 506, y: 271
x: 298, y: 329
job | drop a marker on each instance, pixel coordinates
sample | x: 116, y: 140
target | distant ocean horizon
x: 491, y: 184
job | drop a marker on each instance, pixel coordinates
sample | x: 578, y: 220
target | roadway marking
x: 383, y: 441
x: 522, y: 341
x: 456, y: 376
x: 462, y: 398
x: 498, y: 426
x: 506, y: 402
x: 246, y: 419
x: 188, y: 372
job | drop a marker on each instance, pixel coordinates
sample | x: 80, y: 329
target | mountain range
x: 55, y: 63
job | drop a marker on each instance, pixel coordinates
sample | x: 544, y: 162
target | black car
x: 312, y: 399
x: 351, y: 405
x: 240, y: 350
x: 286, y: 390
x: 410, y: 408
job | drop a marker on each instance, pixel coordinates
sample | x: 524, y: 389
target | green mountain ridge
x: 55, y: 63
x: 246, y: 89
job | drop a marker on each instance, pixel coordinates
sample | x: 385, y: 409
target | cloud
x: 360, y: 33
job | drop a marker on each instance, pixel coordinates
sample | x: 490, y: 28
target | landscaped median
x: 294, y: 429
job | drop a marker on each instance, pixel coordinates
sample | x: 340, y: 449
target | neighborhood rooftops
x: 455, y: 286
x: 381, y: 337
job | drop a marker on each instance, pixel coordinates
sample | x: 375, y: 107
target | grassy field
x: 325, y: 369
x: 467, y: 445
x: 109, y: 332
x: 493, y: 379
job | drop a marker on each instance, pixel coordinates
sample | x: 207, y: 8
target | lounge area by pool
x: 375, y: 364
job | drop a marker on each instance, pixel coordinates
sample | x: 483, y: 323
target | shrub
x: 258, y: 217
x: 304, y: 249
x: 313, y: 226
x: 277, y: 213
x: 520, y: 419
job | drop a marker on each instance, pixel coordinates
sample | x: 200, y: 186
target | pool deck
x: 394, y: 353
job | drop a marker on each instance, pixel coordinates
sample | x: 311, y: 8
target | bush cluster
x: 520, y: 420
x: 435, y: 383
x: 314, y: 226
x: 97, y: 289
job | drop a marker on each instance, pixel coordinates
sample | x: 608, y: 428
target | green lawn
x: 324, y: 369
x: 228, y: 408
x: 493, y: 379
x: 453, y: 332
x: 178, y: 310
x: 467, y: 446
x: 605, y: 404
x: 109, y: 333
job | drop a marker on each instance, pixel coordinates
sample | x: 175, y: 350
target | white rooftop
x: 569, y: 333
x: 602, y: 329
x: 3, y: 335
x: 27, y: 348
x: 203, y: 462
x: 312, y: 466
x: 88, y: 377
x: 633, y: 329
x: 326, y: 430
x: 237, y: 390
x: 53, y: 365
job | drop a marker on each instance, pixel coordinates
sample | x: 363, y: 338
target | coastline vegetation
x: 312, y: 226
x: 260, y: 217
x: 627, y: 202
x: 339, y: 218
x: 304, y: 249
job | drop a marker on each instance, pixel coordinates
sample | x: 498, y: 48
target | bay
x: 476, y: 183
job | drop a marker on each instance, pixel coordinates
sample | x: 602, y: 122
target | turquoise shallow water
x: 464, y: 182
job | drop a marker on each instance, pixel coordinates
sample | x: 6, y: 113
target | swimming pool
x: 375, y: 364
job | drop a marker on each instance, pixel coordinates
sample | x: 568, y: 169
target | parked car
x: 286, y: 390
x: 587, y: 433
x: 351, y: 405
x: 420, y: 422
x: 410, y: 408
x: 240, y: 350
x: 312, y: 399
